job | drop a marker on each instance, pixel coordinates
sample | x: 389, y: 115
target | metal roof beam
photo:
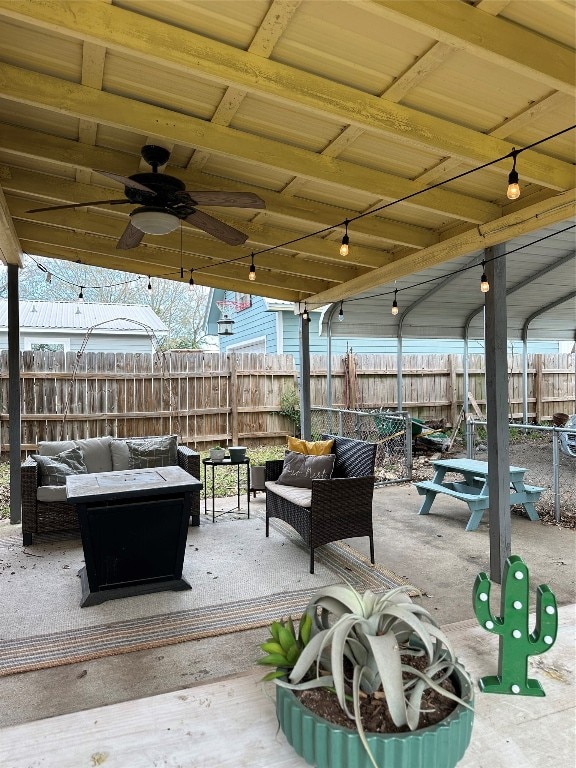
x: 547, y: 308
x: 522, y: 284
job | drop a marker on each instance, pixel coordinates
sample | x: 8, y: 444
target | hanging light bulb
x: 149, y: 285
x: 344, y: 249
x: 81, y: 295
x: 341, y: 313
x: 252, y: 271
x: 513, y: 191
x: 48, y: 277
x: 395, y: 303
x: 191, y: 282
x: 484, y: 284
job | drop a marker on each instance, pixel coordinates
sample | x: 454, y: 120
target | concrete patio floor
x: 434, y: 552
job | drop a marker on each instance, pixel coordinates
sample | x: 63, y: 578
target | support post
x: 305, y: 418
x: 495, y: 322
x: 14, y: 432
x: 399, y: 382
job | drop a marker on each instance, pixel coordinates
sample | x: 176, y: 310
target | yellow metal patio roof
x: 326, y: 109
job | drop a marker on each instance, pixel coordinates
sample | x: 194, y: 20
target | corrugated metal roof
x: 73, y: 316
x: 540, y: 271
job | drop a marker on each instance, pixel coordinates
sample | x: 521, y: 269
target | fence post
x: 233, y: 398
x: 556, y: 474
x: 538, y: 364
x: 453, y: 389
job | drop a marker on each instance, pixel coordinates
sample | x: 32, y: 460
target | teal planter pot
x: 325, y: 745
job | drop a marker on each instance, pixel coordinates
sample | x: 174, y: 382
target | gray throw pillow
x: 55, y: 469
x: 300, y: 469
x: 152, y: 452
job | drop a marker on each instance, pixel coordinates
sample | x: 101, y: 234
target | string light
x: 149, y: 285
x: 395, y: 303
x: 484, y: 284
x: 81, y: 295
x: 191, y: 282
x: 513, y: 192
x: 344, y: 249
x: 341, y: 313
x: 252, y: 272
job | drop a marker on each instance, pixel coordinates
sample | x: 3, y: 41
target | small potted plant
x: 361, y: 680
x: 217, y: 453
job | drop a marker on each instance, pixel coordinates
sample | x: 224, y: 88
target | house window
x: 46, y: 344
x: 45, y: 347
x: 243, y: 301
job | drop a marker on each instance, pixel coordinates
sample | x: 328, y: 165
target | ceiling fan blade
x: 130, y: 238
x: 125, y: 180
x: 77, y: 205
x: 216, y: 228
x: 233, y: 199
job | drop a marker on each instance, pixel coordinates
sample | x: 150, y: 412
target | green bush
x: 290, y: 407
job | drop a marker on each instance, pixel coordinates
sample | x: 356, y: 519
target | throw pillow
x: 152, y: 452
x: 55, y: 469
x: 299, y: 469
x: 315, y: 448
x: 121, y: 454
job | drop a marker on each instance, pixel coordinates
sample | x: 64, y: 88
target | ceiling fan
x: 163, y: 202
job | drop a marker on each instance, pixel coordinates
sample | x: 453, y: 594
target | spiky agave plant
x: 370, y: 634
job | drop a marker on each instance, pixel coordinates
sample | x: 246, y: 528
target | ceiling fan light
x: 154, y: 222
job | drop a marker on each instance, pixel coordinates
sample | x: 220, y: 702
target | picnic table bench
x: 473, y: 489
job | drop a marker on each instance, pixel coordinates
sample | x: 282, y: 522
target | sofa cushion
x: 300, y: 496
x: 121, y: 454
x: 299, y: 469
x: 51, y: 493
x: 153, y: 452
x: 315, y: 448
x: 96, y: 451
x: 55, y: 469
x: 97, y: 456
x: 53, y: 447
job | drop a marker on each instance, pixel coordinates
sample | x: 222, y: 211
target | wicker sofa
x: 334, y: 509
x: 44, y: 507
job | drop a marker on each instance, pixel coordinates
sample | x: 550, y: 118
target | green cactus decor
x: 516, y: 643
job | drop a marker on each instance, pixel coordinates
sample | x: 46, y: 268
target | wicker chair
x: 39, y: 517
x: 341, y: 507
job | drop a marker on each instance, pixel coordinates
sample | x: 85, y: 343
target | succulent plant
x: 284, y: 647
x: 359, y: 643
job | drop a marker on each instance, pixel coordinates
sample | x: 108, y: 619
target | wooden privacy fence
x: 433, y: 385
x: 209, y: 398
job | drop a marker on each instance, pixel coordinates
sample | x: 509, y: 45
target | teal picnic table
x: 473, y: 488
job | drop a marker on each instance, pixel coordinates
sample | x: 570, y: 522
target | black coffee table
x: 134, y: 525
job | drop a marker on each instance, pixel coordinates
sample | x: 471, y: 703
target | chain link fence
x: 546, y: 454
x: 391, y: 430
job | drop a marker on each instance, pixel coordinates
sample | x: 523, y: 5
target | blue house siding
x: 259, y: 321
